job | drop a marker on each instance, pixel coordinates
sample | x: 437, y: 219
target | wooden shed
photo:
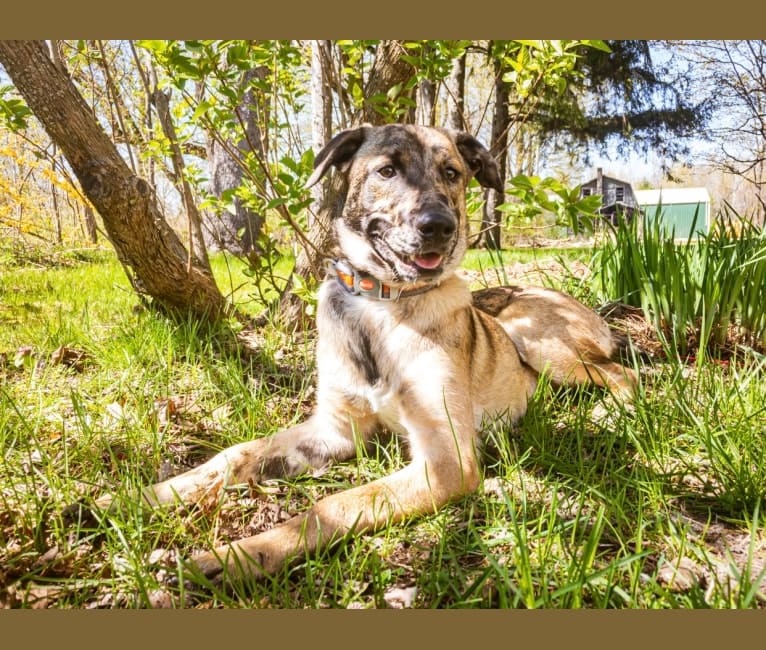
x: 617, y: 197
x: 676, y: 208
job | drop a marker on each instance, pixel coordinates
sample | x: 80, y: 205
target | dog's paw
x: 223, y: 567
x: 208, y: 564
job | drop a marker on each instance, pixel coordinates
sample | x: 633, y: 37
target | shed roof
x: 672, y: 196
x: 604, y: 177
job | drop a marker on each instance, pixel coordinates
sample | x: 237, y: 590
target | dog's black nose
x: 435, y: 226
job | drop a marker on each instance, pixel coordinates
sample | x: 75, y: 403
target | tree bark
x: 426, y: 96
x: 388, y: 70
x: 89, y: 220
x: 154, y: 257
x: 321, y: 103
x: 236, y: 232
x: 501, y: 123
x: 456, y: 96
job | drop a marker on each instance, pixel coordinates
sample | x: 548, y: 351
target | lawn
x: 653, y: 506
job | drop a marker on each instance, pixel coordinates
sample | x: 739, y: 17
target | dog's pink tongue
x: 428, y: 261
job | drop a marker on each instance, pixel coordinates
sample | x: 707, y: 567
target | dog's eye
x: 387, y: 171
x: 451, y: 173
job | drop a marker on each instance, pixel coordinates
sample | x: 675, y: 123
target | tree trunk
x: 321, y: 103
x: 196, y: 238
x: 501, y: 123
x: 238, y: 231
x: 154, y: 257
x: 456, y: 96
x: 89, y: 219
x: 426, y: 96
x: 388, y: 70
x: 55, y: 201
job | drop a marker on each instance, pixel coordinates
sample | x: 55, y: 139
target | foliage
x: 537, y: 196
x: 13, y: 111
x: 730, y: 75
x: 215, y: 84
x: 29, y: 176
x: 621, y: 97
x: 556, y: 85
x: 540, y: 66
x: 691, y: 291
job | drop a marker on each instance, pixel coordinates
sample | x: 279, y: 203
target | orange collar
x: 361, y: 284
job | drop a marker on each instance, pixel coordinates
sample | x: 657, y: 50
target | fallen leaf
x: 22, y: 354
x: 71, y: 357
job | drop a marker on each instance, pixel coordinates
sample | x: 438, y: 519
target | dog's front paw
x: 225, y: 565
x: 209, y: 565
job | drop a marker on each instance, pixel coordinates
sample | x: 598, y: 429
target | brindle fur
x: 430, y: 366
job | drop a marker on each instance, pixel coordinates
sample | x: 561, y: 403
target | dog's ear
x: 480, y: 161
x: 337, y: 153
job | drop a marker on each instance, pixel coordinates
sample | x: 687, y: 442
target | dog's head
x: 403, y: 217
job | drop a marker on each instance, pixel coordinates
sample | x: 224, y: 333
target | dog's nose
x: 435, y: 226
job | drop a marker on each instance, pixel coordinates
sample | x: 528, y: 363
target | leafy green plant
x: 536, y: 196
x: 692, y: 291
x: 13, y: 111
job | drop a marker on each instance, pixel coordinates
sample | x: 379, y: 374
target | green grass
x: 658, y: 506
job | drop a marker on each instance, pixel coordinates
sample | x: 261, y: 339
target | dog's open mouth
x: 420, y: 265
x: 413, y: 264
x: 428, y: 261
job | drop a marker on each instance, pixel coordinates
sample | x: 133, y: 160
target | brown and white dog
x: 403, y: 345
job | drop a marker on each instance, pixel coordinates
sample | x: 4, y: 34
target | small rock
x: 678, y: 576
x: 400, y: 597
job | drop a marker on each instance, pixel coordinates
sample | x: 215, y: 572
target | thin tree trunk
x: 501, y: 123
x: 89, y: 219
x: 426, y: 96
x: 321, y: 105
x: 456, y: 96
x: 196, y: 237
x: 237, y: 232
x: 152, y: 253
x: 56, y: 214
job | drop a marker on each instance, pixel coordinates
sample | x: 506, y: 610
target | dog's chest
x: 363, y: 349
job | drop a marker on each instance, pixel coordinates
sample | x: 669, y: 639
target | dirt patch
x: 539, y: 272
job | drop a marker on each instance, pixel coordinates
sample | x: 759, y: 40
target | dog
x: 403, y: 345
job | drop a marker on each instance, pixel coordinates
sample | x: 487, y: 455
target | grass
x: 658, y: 506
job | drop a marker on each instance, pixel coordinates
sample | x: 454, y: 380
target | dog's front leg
x: 290, y: 452
x: 442, y: 469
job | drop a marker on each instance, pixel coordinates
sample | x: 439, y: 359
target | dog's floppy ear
x: 336, y: 152
x: 481, y: 162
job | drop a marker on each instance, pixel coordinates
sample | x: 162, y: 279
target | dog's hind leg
x: 558, y: 336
